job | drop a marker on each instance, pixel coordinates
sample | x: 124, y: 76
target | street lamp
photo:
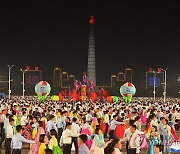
x: 165, y: 83
x: 23, y: 82
x: 9, y: 89
x: 154, y: 92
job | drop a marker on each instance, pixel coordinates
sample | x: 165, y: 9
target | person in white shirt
x: 127, y: 132
x: 9, y: 135
x: 24, y: 120
x: 17, y: 141
x: 99, y: 113
x: 2, y: 130
x: 89, y: 116
x: 113, y: 124
x: 133, y: 141
x: 6, y: 121
x: 75, y: 133
x: 138, y: 122
x: 66, y: 139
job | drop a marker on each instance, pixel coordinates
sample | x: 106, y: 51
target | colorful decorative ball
x: 92, y: 21
x: 115, y: 99
x: 127, y: 89
x: 43, y: 88
x: 42, y: 98
x: 55, y: 98
x: 109, y: 99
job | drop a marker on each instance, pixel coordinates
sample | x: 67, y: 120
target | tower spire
x: 91, y: 70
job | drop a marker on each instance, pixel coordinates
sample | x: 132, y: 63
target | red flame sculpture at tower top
x: 91, y: 20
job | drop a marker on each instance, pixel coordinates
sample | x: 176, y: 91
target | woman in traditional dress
x: 35, y: 147
x: 143, y: 116
x: 43, y: 140
x: 153, y: 140
x: 102, y: 125
x: 98, y: 143
x: 94, y: 123
x: 27, y: 132
x: 44, y: 120
x: 53, y: 143
x: 151, y: 122
x: 85, y: 129
x: 34, y: 128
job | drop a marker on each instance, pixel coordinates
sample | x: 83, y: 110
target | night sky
x: 135, y: 34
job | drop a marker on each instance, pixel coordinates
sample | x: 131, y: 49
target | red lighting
x: 28, y: 68
x: 150, y: 69
x: 36, y: 68
x: 91, y: 20
x: 159, y: 70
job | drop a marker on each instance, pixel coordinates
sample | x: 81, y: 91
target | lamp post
x: 9, y: 89
x: 165, y: 83
x: 154, y: 92
x: 23, y: 80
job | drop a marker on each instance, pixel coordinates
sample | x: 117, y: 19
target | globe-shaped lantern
x: 43, y: 88
x: 127, y: 89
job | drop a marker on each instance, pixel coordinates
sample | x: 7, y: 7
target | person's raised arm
x: 26, y: 140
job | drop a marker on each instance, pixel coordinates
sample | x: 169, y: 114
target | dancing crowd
x: 51, y: 127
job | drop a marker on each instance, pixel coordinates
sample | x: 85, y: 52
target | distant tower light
x: 159, y: 70
x: 36, y: 68
x: 28, y: 68
x: 150, y: 69
x: 91, y: 20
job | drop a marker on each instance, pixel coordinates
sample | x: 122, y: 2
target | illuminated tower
x: 57, y: 79
x: 128, y: 75
x: 91, y: 70
x: 113, y: 81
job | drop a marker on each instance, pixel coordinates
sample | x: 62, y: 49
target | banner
x: 31, y: 79
x: 83, y: 93
x: 175, y: 146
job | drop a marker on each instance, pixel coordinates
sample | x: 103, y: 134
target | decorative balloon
x: 127, y: 90
x: 42, y: 89
x: 109, y: 99
x: 124, y: 99
x: 55, y: 98
x: 115, y: 99
x: 42, y: 98
x: 129, y: 99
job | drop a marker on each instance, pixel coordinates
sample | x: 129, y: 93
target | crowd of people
x: 51, y: 127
